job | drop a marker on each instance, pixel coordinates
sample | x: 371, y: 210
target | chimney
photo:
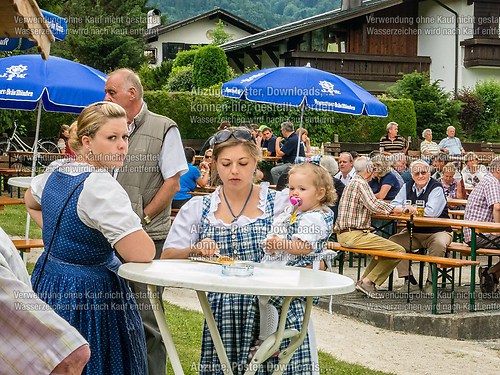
x: 154, y: 18
x: 350, y: 4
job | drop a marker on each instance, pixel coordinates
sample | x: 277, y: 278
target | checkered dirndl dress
x: 237, y: 316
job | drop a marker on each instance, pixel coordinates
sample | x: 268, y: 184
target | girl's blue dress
x: 81, y: 284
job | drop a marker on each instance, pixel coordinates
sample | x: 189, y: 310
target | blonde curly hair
x: 322, y: 180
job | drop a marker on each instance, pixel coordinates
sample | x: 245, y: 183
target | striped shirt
x: 33, y: 338
x: 357, y: 204
x: 399, y: 144
x: 479, y: 206
x: 430, y: 146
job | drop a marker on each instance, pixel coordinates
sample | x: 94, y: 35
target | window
x: 170, y: 50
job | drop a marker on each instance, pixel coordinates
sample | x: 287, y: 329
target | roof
x: 214, y: 13
x: 22, y: 19
x: 308, y: 24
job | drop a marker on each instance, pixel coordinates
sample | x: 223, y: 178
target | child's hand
x: 206, y: 246
x: 274, y: 244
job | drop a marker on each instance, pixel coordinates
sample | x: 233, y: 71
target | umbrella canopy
x: 56, y: 24
x: 58, y: 84
x: 304, y: 87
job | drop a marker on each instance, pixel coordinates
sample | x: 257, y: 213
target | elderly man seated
x: 353, y: 227
x: 435, y: 239
x: 33, y: 339
x: 346, y: 169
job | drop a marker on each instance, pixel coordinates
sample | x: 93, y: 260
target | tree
x: 104, y: 35
x: 470, y: 113
x: 488, y: 126
x: 155, y: 78
x: 209, y: 67
x: 219, y: 35
x: 433, y: 106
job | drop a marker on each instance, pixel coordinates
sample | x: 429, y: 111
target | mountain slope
x: 264, y: 13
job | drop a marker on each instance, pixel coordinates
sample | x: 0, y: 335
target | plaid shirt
x: 33, y: 338
x: 480, y: 203
x: 357, y: 205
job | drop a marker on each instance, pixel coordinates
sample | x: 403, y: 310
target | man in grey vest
x: 150, y: 176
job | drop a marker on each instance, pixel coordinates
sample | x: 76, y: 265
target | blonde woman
x: 384, y: 184
x: 86, y: 218
x: 234, y: 221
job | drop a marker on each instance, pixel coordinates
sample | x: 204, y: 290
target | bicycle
x: 15, y: 143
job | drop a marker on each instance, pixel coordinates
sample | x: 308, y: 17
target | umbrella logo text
x: 252, y: 77
x: 329, y: 88
x: 14, y: 71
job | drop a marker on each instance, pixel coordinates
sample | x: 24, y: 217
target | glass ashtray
x: 237, y: 269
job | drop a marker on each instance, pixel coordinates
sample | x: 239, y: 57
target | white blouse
x: 102, y: 205
x: 472, y: 179
x: 184, y: 231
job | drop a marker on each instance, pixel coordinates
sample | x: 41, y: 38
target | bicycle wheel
x: 4, y: 145
x: 48, y: 146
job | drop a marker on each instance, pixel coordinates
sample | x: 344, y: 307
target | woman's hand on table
x: 207, y: 247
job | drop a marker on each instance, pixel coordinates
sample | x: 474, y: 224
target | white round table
x: 23, y: 182
x: 266, y: 280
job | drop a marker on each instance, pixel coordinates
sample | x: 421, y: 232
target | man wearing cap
x: 268, y: 140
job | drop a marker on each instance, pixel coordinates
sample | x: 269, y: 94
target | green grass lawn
x: 186, y: 325
x: 13, y: 222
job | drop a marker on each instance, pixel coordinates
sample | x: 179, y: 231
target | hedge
x: 198, y: 116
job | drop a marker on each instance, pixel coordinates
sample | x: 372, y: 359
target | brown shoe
x: 369, y: 290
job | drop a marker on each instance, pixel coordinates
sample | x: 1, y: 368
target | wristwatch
x: 146, y: 220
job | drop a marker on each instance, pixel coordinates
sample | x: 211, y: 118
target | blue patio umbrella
x: 56, y: 84
x: 304, y: 87
x: 56, y: 24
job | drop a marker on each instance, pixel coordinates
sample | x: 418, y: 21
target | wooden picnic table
x: 475, y: 227
x: 456, y: 202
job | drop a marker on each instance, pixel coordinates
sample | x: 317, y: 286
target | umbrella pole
x: 33, y: 165
x: 300, y: 128
x: 35, y: 144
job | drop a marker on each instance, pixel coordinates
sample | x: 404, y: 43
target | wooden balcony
x: 481, y: 52
x: 360, y: 67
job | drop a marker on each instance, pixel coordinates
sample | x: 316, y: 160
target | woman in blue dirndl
x: 234, y: 220
x: 85, y: 215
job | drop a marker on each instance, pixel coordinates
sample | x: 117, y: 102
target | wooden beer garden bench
x: 25, y: 245
x: 435, y: 262
x: 476, y: 227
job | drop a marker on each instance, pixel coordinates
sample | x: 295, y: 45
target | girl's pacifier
x: 295, y: 201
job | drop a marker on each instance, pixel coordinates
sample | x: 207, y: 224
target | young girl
x: 62, y: 142
x: 299, y: 232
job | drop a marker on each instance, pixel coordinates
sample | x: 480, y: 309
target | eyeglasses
x: 421, y: 173
x: 208, y: 156
x: 239, y: 134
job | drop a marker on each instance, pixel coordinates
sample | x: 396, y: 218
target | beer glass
x: 420, y: 208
